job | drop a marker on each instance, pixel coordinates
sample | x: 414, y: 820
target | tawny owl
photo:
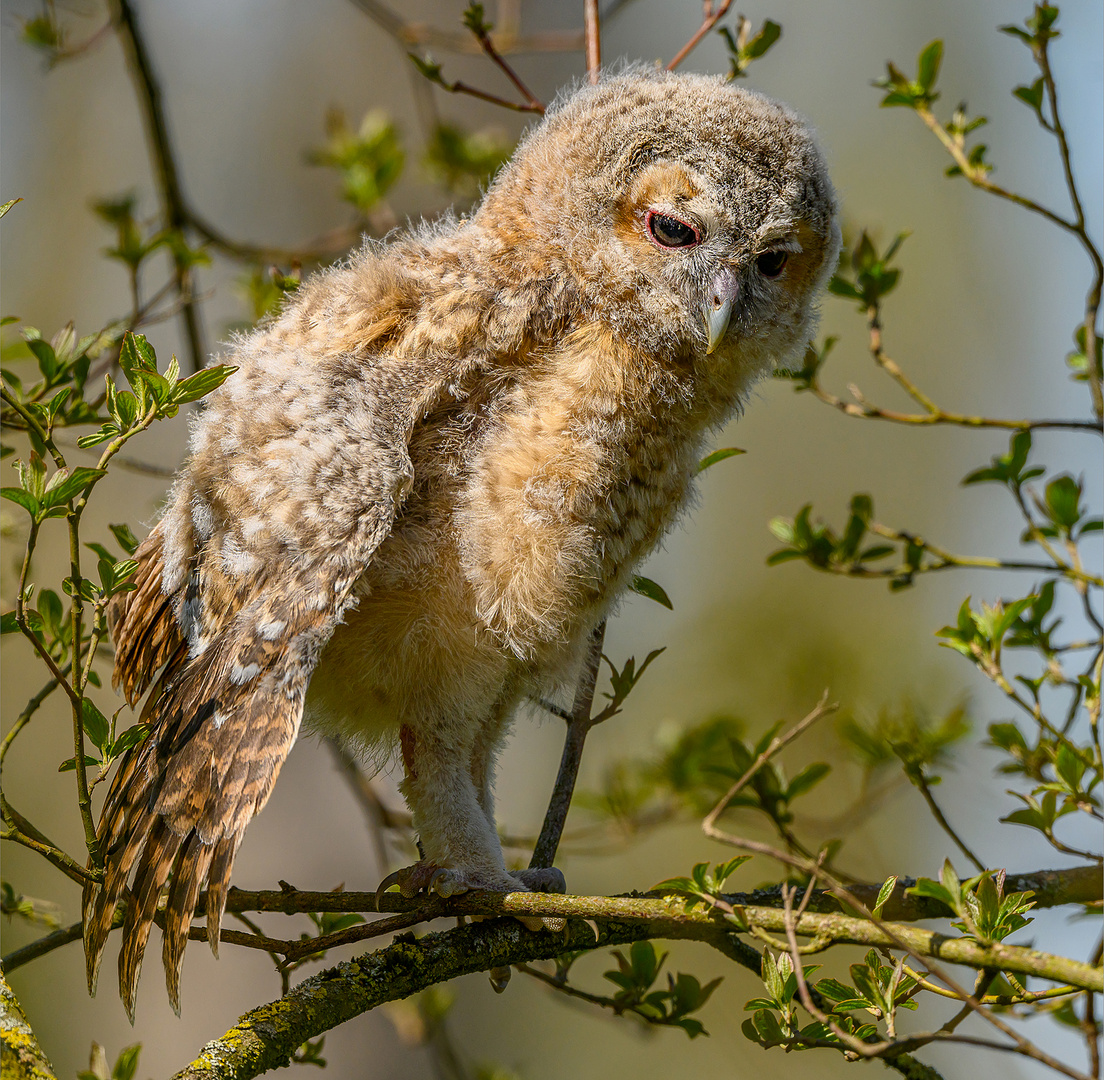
x: 436, y: 469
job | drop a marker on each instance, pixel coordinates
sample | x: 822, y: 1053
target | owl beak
x: 718, y: 308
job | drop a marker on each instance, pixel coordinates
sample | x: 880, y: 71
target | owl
x: 434, y: 472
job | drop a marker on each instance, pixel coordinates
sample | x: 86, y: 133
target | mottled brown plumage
x: 434, y: 472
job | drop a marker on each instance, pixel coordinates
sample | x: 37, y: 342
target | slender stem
x: 593, y: 35
x: 463, y: 88
x: 24, y: 717
x: 1092, y: 300
x: 21, y: 831
x: 777, y: 743
x: 889, y: 365
x: 533, y: 103
x: 711, y: 15
x: 544, y: 853
x: 978, y: 178
x: 921, y: 782
x: 424, y: 34
x: 865, y: 411
x: 165, y: 169
x: 1079, y: 885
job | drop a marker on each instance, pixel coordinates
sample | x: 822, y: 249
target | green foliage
x: 985, y: 913
x: 1039, y: 28
x: 310, y: 1053
x: 745, y: 48
x: 624, y: 679
x: 818, y: 545
x: 875, y: 988
x: 668, y: 1007
x: 264, y: 291
x: 1078, y: 360
x: 713, y: 458
x: 125, y: 1067
x: 918, y: 92
x: 805, y: 377
x: 693, y: 770
x: 463, y: 162
x: 474, y: 20
x: 135, y: 241
x: 57, y: 399
x: 705, y: 887
x: 643, y: 586
x: 369, y: 159
x: 870, y: 277
x: 153, y: 396
x: 17, y: 906
x: 919, y: 742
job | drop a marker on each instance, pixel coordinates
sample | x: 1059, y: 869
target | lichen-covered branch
x: 23, y: 1058
x: 267, y: 1036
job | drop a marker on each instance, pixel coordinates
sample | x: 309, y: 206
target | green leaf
x: 126, y: 1064
x: 5, y: 207
x: 200, y: 384
x: 884, y: 893
x: 1063, y: 498
x: 1031, y: 96
x: 50, y: 609
x: 643, y: 586
x: 718, y: 455
x: 70, y: 764
x: 928, y: 66
x: 762, y: 41
x: 125, y: 538
x: 808, y: 778
x: 96, y: 725
x: 136, y: 357
x: 23, y: 498
x: 129, y: 738
x: 64, y: 486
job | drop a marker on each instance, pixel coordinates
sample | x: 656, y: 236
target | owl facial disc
x: 717, y: 310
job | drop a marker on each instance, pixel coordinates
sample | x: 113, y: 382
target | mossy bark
x: 21, y: 1058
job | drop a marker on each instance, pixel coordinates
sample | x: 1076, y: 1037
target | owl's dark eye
x: 670, y: 232
x: 771, y: 263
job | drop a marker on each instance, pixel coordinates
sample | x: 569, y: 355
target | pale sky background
x: 982, y: 320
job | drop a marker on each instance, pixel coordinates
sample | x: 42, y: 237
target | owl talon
x: 541, y: 879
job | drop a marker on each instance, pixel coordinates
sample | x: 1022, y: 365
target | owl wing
x: 239, y: 588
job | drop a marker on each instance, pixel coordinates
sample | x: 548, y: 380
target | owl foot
x: 446, y: 881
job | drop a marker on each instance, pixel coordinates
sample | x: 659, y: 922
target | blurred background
x: 981, y: 320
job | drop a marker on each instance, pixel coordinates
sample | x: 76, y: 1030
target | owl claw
x: 451, y: 881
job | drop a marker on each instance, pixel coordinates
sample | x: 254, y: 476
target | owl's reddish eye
x: 670, y: 232
x: 771, y: 263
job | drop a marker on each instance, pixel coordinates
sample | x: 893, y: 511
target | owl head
x: 694, y: 217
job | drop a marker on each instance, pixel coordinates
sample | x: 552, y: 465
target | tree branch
x: 23, y: 1057
x: 267, y: 1036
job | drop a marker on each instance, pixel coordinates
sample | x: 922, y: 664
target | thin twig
x: 711, y: 15
x: 167, y: 175
x: 581, y: 721
x: 533, y: 103
x: 593, y: 33
x: 424, y: 35
x: 921, y: 782
x: 777, y: 743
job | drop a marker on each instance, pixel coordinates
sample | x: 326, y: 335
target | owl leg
x: 461, y: 850
x: 487, y: 744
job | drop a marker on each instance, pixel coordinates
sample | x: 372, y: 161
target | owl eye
x: 771, y: 263
x: 670, y: 232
